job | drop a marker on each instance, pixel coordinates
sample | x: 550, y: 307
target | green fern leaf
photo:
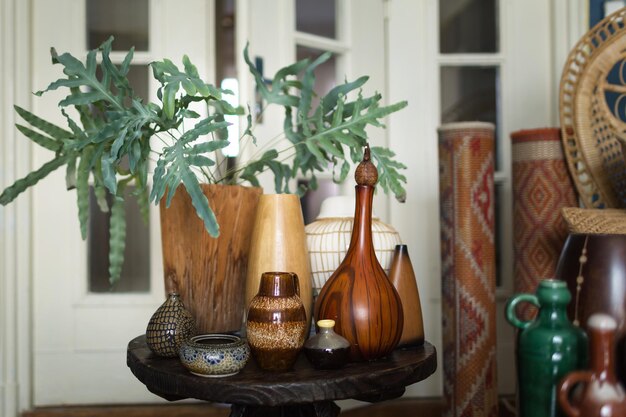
x: 117, y: 237
x: 10, y: 193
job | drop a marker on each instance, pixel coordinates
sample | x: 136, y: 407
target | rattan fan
x: 592, y: 130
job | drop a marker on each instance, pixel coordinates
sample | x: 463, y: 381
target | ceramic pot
x: 278, y: 243
x: 602, y: 394
x: 548, y: 347
x: 594, y: 268
x: 209, y: 273
x: 358, y: 296
x: 402, y: 277
x: 214, y: 355
x: 169, y: 327
x: 327, y: 350
x: 328, y: 238
x: 276, y: 324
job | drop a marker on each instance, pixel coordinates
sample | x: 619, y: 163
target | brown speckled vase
x: 276, y: 323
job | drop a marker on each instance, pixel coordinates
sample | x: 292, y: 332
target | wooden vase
x: 360, y: 298
x: 402, y: 277
x: 278, y: 243
x: 209, y: 273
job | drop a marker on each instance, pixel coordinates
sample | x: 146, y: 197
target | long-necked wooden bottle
x: 358, y: 296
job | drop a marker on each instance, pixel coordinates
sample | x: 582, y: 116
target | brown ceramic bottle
x: 358, y: 296
x: 602, y: 395
x: 402, y: 277
x: 276, y: 323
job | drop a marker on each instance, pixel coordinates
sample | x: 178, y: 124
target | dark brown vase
x: 402, y: 277
x: 602, y: 394
x: 169, y: 327
x: 358, y: 296
x: 594, y: 267
x: 276, y: 323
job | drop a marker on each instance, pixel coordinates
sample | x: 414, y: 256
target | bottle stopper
x: 366, y: 172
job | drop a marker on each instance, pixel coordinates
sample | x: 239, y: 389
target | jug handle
x: 296, y: 283
x: 511, y: 314
x: 566, y: 385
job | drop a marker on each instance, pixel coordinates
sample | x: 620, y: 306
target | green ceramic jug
x: 548, y: 348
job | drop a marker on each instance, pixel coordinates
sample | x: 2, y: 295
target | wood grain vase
x: 402, y: 277
x: 359, y: 297
x: 468, y: 268
x: 209, y: 273
x: 541, y: 188
x: 278, y: 243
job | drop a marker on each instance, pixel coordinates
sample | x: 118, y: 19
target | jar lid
x: 327, y: 323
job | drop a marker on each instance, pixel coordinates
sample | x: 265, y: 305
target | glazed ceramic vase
x: 169, y: 327
x: 209, y: 273
x: 326, y: 349
x: 402, y: 277
x: 593, y: 267
x: 276, y: 325
x: 359, y: 297
x: 328, y: 238
x: 548, y: 348
x: 602, y: 393
x: 278, y: 243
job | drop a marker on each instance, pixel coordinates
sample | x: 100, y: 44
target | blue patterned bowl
x: 214, y: 355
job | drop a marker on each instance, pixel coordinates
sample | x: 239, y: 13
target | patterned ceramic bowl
x: 214, y: 355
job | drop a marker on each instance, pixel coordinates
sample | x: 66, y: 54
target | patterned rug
x: 468, y: 269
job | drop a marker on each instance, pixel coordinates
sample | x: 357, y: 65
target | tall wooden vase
x: 278, y: 243
x: 360, y: 298
x: 207, y: 272
x: 402, y: 277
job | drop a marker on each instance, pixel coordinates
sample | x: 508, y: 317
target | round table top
x: 368, y: 381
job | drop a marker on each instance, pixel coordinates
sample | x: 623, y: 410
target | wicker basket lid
x: 595, y: 221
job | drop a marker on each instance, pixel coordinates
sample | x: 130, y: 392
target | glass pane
x: 126, y: 20
x: 325, y: 74
x: 470, y: 94
x: 468, y: 26
x: 316, y: 17
x: 136, y: 270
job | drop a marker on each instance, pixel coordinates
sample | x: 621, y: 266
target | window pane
x: 126, y: 20
x: 316, y: 17
x: 470, y: 94
x: 325, y: 74
x: 136, y: 270
x: 468, y: 26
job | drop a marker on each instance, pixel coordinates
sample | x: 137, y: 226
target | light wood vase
x: 278, y: 243
x: 209, y: 273
x: 402, y: 277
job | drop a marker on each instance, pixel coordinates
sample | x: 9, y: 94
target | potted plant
x: 116, y: 135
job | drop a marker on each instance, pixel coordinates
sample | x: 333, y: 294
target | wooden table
x: 303, y: 391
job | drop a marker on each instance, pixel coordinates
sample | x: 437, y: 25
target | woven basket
x: 594, y: 221
x: 591, y: 130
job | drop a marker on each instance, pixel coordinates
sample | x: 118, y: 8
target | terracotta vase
x: 548, y: 347
x: 541, y: 188
x: 328, y: 238
x: 276, y: 324
x: 209, y: 273
x: 278, y: 243
x: 169, y: 327
x: 594, y: 268
x: 402, y: 277
x: 359, y: 297
x: 602, y: 394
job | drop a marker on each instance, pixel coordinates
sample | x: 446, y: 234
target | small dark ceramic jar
x: 327, y: 349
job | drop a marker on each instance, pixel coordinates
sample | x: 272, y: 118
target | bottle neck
x: 362, y: 226
x: 553, y: 312
x: 602, y: 359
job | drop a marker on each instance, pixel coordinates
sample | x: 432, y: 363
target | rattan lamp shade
x: 328, y: 238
